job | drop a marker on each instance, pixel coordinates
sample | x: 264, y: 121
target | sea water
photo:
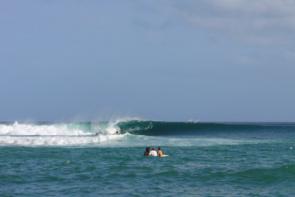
x: 106, y: 159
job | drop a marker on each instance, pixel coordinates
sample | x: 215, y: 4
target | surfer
x: 118, y: 131
x: 147, y: 151
x: 160, y: 152
x: 153, y: 153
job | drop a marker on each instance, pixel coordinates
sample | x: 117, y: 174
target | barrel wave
x: 158, y: 128
x: 133, y: 132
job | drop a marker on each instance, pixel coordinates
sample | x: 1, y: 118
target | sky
x: 205, y: 60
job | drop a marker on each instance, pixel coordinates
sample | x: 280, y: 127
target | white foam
x: 57, y: 140
x: 33, y: 129
x: 24, y: 134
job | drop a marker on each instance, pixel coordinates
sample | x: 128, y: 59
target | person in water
x: 153, y: 153
x: 160, y: 152
x: 147, y: 151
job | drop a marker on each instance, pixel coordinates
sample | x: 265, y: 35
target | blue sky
x: 218, y: 60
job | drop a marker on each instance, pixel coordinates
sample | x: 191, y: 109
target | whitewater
x: 124, y: 133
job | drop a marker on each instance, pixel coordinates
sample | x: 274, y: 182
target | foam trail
x: 130, y: 140
x: 130, y: 133
x: 125, y: 140
x: 57, y: 140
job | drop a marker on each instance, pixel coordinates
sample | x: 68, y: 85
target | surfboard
x: 164, y: 155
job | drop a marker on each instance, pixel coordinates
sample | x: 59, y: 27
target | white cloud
x: 264, y: 21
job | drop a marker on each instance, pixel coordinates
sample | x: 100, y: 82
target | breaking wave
x: 134, y: 132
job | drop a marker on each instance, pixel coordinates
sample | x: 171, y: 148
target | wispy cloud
x: 260, y: 21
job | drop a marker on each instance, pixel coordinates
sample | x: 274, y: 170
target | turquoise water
x: 204, y: 160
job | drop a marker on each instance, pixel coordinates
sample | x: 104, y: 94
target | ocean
x: 106, y: 159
